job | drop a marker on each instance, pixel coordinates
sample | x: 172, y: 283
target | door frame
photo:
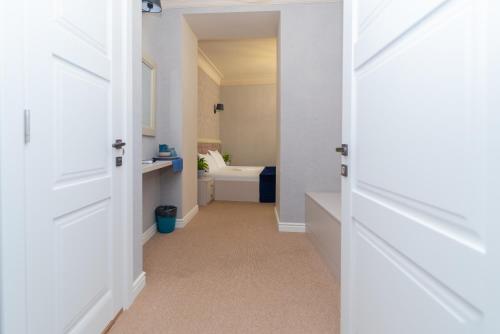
x: 12, y: 176
x: 346, y: 321
x: 13, y: 266
x: 132, y: 201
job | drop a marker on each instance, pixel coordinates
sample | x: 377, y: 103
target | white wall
x: 208, y: 95
x: 248, y: 124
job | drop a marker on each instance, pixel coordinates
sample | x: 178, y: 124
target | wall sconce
x: 218, y: 107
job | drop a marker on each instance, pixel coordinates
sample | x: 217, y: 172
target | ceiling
x: 237, y: 25
x: 242, y: 61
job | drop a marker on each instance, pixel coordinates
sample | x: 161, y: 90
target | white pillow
x: 218, y: 158
x: 212, y: 165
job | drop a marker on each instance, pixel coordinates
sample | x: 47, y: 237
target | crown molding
x: 209, y: 67
x: 175, y: 4
x: 216, y: 75
x: 209, y: 141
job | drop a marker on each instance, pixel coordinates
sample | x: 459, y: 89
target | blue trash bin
x: 166, y: 215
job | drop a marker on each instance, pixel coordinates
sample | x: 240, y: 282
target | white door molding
x: 132, y: 247
x: 12, y: 197
x: 346, y: 322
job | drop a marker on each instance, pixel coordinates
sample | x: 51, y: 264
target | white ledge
x: 146, y: 168
x: 330, y: 202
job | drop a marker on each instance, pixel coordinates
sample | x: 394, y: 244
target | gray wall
x: 248, y: 124
x: 136, y: 150
x: 189, y: 118
x: 309, y: 105
x: 309, y: 108
x: 310, y: 115
x: 151, y: 181
x: 152, y: 49
x: 169, y: 41
x: 150, y: 198
x: 208, y: 95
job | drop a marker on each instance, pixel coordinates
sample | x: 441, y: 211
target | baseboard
x: 277, y: 216
x: 289, y: 227
x: 292, y: 227
x: 137, y: 286
x: 182, y: 222
x: 148, y: 234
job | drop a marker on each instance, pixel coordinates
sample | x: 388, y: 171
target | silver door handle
x: 118, y: 144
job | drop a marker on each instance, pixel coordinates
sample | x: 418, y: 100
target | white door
x: 421, y: 230
x: 73, y: 90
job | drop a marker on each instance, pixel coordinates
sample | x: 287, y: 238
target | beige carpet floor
x: 231, y: 271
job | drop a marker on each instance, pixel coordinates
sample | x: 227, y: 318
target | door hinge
x: 27, y: 126
x: 344, y: 170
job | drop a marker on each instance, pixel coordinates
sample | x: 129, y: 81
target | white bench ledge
x: 147, y: 168
x: 324, y: 228
x: 330, y: 202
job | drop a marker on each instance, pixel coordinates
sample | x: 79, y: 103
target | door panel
x: 421, y: 144
x: 403, y: 298
x: 83, y: 271
x: 72, y: 207
x: 81, y: 108
x: 74, y: 14
x: 388, y: 21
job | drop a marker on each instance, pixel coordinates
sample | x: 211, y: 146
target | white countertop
x: 146, y: 168
x: 331, y: 202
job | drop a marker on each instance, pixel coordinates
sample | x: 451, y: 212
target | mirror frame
x: 151, y: 130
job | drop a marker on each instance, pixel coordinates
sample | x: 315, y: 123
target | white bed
x: 237, y: 183
x: 237, y: 173
x: 231, y: 183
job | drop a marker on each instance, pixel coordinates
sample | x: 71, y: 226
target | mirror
x: 148, y: 97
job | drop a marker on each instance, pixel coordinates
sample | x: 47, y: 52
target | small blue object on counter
x: 177, y: 165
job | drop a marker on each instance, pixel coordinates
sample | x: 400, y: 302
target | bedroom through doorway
x: 237, y: 87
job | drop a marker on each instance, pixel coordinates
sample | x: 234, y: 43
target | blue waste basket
x: 166, y: 216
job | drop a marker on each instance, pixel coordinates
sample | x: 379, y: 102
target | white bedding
x: 237, y: 173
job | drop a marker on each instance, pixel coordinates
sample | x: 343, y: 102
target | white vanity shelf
x: 147, y: 168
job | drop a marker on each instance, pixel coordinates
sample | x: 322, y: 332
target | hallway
x: 231, y: 271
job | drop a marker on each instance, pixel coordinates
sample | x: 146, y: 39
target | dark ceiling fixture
x: 151, y: 6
